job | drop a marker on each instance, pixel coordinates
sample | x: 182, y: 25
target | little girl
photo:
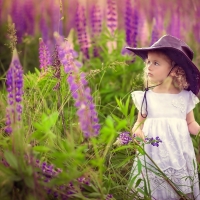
x: 166, y: 110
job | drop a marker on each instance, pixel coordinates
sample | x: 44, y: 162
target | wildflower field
x: 65, y: 109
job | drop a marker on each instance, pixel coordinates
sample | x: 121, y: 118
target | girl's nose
x: 149, y: 66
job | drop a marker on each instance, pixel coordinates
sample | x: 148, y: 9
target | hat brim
x: 181, y: 59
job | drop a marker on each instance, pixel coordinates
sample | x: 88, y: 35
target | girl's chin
x: 152, y: 81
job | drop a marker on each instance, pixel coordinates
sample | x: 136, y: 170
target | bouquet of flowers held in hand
x: 125, y: 138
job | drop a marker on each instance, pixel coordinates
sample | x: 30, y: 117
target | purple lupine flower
x: 14, y: 86
x: 155, y: 34
x: 43, y: 24
x: 48, y: 172
x: 28, y: 14
x: 196, y: 26
x: 54, y: 11
x: 128, y: 25
x: 109, y: 196
x: 174, y: 25
x: 81, y: 30
x: 152, y: 141
x: 112, y: 22
x: 87, y: 114
x: 96, y: 26
x: 18, y: 19
x: 135, y: 27
x: 44, y: 55
x: 96, y: 20
x: 124, y: 138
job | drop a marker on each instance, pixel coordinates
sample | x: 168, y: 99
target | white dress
x: 175, y: 155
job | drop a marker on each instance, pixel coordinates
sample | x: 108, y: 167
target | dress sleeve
x: 137, y: 97
x: 192, y: 101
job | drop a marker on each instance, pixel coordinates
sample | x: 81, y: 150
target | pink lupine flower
x: 81, y: 93
x: 82, y: 32
x: 96, y: 27
x: 44, y: 55
x: 112, y: 16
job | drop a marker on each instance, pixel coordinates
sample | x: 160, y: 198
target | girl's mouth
x: 150, y: 75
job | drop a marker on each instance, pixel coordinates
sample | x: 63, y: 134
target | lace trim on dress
x: 179, y: 103
x: 182, y: 179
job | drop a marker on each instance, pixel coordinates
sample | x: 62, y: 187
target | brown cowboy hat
x: 179, y: 52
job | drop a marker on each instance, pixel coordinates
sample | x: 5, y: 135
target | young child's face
x: 158, y: 65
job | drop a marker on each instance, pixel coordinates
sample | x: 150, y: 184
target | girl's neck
x: 166, y: 87
x: 165, y: 90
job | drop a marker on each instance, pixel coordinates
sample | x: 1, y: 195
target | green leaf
x: 109, y: 122
x: 37, y: 135
x: 94, y: 195
x: 121, y: 125
x: 140, y: 149
x: 127, y: 106
x: 29, y: 181
x: 138, y: 182
x: 47, y: 122
x: 7, y: 171
x: 42, y: 149
x: 139, y: 165
x: 11, y: 159
x: 124, y: 162
x: 122, y: 148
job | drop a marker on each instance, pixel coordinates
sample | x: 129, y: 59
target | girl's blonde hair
x: 179, y: 76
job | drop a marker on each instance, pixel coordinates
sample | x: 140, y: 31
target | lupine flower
x: 96, y: 26
x: 81, y: 93
x: 135, y: 27
x: 128, y: 19
x: 28, y: 12
x: 44, y: 55
x: 16, y: 12
x: 109, y: 196
x: 43, y: 25
x: 81, y: 29
x: 131, y: 23
x: 112, y: 16
x: 154, y: 142
x: 196, y: 26
x: 123, y: 139
x: 14, y: 86
x: 96, y: 20
x: 174, y: 25
x: 48, y: 172
x: 55, y: 15
x: 155, y: 34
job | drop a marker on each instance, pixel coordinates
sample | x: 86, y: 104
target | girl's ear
x: 174, y: 71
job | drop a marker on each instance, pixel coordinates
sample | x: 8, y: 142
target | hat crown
x: 173, y: 42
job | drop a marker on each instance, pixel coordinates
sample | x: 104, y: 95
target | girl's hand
x: 139, y: 134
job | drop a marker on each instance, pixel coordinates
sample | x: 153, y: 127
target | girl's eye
x: 156, y: 63
x: 147, y: 62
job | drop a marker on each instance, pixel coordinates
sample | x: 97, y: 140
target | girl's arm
x: 193, y: 126
x: 137, y: 128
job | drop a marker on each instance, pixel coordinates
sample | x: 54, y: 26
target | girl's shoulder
x: 139, y: 93
x: 189, y: 94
